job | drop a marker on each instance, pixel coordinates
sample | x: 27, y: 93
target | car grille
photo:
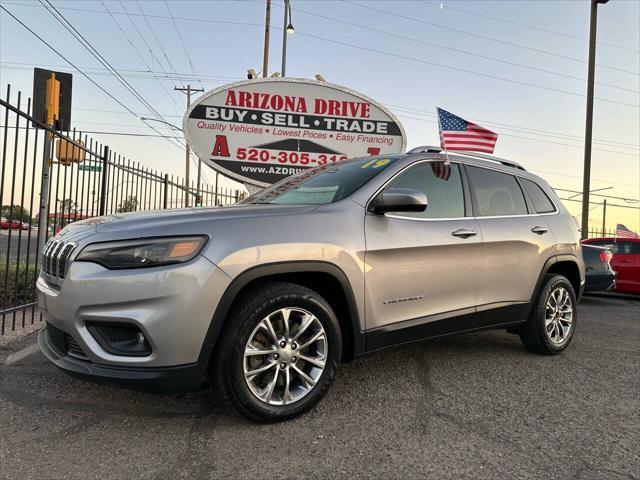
x: 64, y: 343
x: 55, y: 257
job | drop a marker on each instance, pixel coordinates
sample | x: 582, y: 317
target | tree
x: 129, y: 204
x: 16, y: 212
x: 68, y: 206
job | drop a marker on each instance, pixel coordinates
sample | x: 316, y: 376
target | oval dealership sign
x: 260, y: 131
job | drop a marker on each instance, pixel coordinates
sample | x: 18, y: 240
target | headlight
x: 145, y: 252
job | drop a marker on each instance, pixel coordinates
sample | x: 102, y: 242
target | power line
x: 89, y: 47
x: 184, y: 47
x: 146, y: 19
x: 144, y: 61
x: 458, y: 50
x: 484, y: 37
x: 532, y: 27
x: 404, y: 57
x: 458, y: 69
x: 632, y: 200
x: 144, y: 40
x: 516, y: 128
x: 71, y: 63
x: 171, y: 76
x: 533, y: 139
x: 413, y: 111
x: 100, y: 132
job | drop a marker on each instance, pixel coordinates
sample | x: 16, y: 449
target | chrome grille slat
x: 55, y: 256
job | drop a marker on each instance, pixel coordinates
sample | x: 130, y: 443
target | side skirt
x: 485, y: 317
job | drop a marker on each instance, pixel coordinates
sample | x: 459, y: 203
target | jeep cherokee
x: 265, y: 298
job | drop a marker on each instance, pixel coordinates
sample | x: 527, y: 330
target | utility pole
x: 265, y: 55
x: 604, y: 215
x: 188, y: 91
x: 589, y: 120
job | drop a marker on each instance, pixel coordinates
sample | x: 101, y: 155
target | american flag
x: 624, y: 232
x: 458, y: 134
x: 441, y: 170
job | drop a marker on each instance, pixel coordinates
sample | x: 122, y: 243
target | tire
x: 549, y: 329
x: 264, y: 397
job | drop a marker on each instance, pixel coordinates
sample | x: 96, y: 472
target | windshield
x: 324, y: 184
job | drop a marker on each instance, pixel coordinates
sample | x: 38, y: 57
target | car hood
x: 158, y: 219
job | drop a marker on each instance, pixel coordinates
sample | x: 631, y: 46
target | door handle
x: 464, y: 233
x: 539, y: 230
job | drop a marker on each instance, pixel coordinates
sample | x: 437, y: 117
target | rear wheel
x: 552, y: 322
x: 280, y: 353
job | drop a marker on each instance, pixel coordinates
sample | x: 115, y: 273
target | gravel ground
x: 468, y: 407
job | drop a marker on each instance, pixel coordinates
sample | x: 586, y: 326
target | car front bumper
x: 172, y: 306
x: 162, y: 379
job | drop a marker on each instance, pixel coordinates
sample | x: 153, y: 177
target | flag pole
x: 446, y: 154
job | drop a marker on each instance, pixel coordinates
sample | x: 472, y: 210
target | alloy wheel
x: 285, y: 356
x: 558, y: 315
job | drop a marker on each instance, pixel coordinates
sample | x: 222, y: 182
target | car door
x: 516, y: 240
x: 424, y: 264
x: 626, y: 263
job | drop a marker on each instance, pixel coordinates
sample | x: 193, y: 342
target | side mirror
x: 399, y: 200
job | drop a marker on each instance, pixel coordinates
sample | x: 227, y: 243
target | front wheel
x: 280, y: 353
x: 552, y: 322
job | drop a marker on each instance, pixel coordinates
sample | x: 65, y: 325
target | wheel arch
x: 565, y: 265
x: 325, y: 278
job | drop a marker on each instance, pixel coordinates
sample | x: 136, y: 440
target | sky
x: 516, y: 67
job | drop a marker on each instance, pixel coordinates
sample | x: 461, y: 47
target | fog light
x: 122, y: 339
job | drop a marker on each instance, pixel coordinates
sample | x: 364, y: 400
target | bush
x: 25, y: 290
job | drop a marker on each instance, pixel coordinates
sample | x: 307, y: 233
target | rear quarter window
x: 540, y: 200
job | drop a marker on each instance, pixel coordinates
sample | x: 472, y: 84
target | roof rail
x: 491, y: 158
x: 426, y: 149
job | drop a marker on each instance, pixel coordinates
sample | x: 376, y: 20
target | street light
x: 145, y: 119
x: 589, y: 120
x: 286, y: 29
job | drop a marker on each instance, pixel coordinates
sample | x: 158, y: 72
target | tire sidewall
x: 552, y: 284
x: 232, y: 359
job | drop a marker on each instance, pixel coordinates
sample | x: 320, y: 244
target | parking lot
x: 474, y: 406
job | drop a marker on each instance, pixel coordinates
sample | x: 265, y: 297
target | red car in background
x: 625, y: 261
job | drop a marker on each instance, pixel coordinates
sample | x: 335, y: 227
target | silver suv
x: 266, y: 297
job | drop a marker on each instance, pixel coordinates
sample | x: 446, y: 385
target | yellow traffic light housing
x: 52, y: 99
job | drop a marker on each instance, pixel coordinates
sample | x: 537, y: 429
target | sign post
x: 52, y: 109
x: 261, y: 131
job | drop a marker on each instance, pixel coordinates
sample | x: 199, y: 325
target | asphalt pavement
x: 468, y: 407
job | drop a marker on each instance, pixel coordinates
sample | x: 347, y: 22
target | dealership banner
x: 260, y: 131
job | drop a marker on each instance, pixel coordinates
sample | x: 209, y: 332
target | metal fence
x: 104, y: 182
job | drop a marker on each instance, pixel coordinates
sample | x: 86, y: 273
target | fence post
x: 166, y: 190
x: 103, y: 185
x: 215, y: 194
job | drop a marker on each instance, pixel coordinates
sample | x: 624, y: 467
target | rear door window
x: 495, y: 193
